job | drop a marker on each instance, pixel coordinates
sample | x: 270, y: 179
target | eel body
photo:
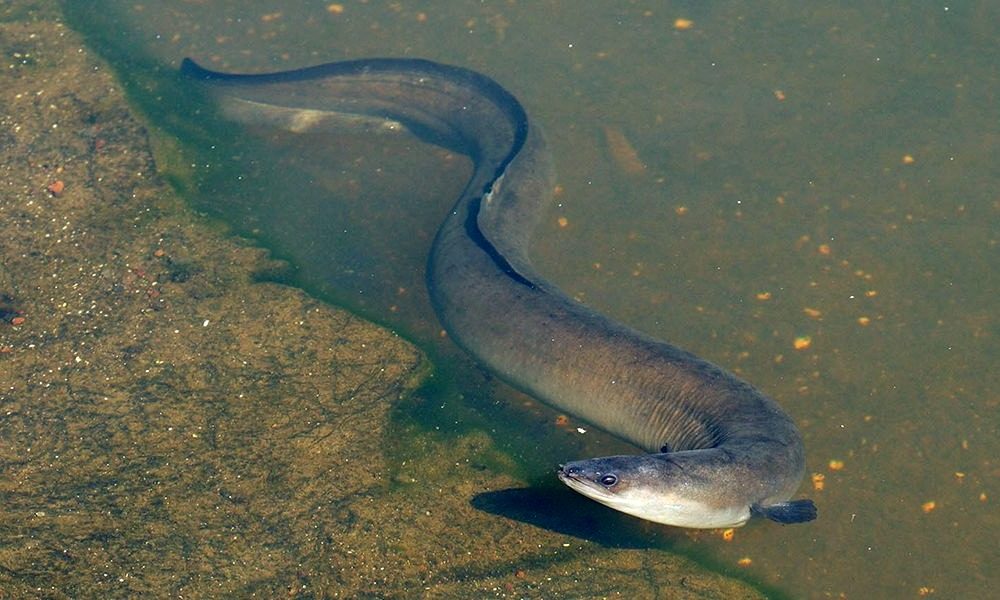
x: 718, y: 450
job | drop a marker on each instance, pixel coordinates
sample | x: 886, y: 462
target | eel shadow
x: 566, y: 512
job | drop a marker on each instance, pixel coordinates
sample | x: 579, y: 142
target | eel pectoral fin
x: 786, y: 513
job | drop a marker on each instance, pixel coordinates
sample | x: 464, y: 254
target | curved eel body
x: 719, y: 450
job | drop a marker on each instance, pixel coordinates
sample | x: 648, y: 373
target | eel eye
x: 608, y: 480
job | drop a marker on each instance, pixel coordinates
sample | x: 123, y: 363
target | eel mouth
x: 576, y: 479
x: 565, y: 474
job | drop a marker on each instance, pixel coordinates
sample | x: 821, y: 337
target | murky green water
x: 815, y: 175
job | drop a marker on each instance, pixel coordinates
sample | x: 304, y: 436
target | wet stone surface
x: 167, y: 423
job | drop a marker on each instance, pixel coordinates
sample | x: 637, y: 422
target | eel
x: 717, y: 450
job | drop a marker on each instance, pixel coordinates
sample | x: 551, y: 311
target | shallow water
x: 802, y: 193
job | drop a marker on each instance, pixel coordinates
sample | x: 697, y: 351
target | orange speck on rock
x: 762, y: 296
x: 729, y: 534
x: 928, y: 506
x: 780, y: 95
x: 746, y: 561
x: 563, y: 222
x: 335, y: 9
x: 56, y: 187
x: 812, y: 312
x: 908, y: 159
x: 681, y: 210
x: 836, y: 464
x: 683, y: 24
x: 159, y: 252
x: 824, y: 249
x: 562, y: 420
x: 819, y: 481
x: 802, y: 342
